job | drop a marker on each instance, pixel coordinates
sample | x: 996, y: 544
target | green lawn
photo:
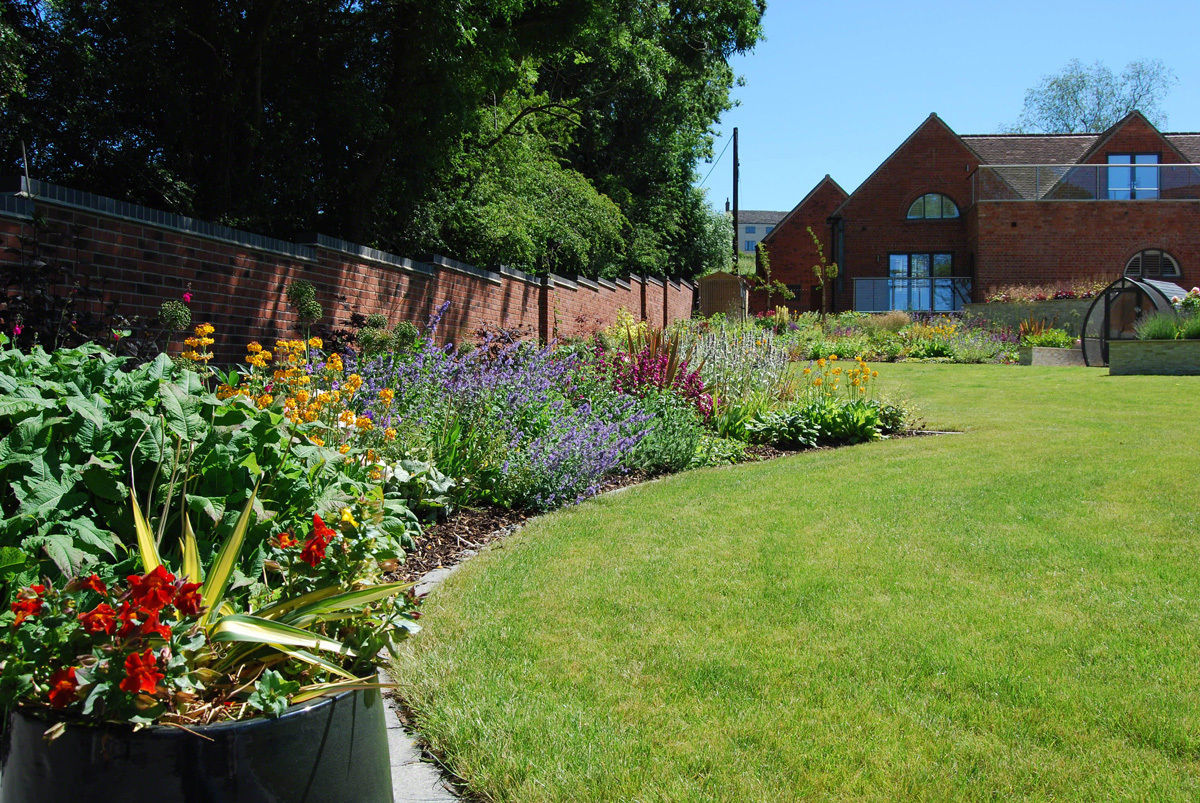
x: 1009, y: 612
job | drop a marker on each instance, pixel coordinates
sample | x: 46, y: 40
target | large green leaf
x: 351, y: 599
x: 145, y: 537
x: 180, y: 412
x: 213, y: 592
x: 244, y: 628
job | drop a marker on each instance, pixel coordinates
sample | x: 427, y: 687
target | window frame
x: 750, y: 228
x: 1132, y: 188
x: 941, y: 205
x: 749, y: 246
x: 1141, y: 271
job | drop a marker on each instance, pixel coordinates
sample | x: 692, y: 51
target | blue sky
x: 838, y: 85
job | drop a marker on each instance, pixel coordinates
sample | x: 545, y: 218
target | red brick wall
x: 1135, y: 136
x: 240, y: 289
x: 792, y: 252
x: 1031, y: 242
x: 932, y: 159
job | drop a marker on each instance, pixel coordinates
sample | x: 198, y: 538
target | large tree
x: 545, y: 134
x: 1091, y: 98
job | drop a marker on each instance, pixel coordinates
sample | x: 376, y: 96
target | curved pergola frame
x: 1117, y: 308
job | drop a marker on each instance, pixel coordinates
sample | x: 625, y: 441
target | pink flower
x: 187, y: 297
x: 17, y: 329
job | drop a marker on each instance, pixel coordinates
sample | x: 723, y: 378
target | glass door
x: 918, y: 271
x: 898, y: 273
x: 943, y: 285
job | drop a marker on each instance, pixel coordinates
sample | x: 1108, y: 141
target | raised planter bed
x: 334, y: 748
x: 1064, y: 313
x: 1044, y: 355
x: 1171, y: 357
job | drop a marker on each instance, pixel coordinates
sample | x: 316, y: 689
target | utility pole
x: 735, y: 198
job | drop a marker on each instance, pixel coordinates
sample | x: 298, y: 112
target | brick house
x: 947, y: 217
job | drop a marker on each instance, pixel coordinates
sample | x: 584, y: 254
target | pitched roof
x: 827, y: 180
x: 1188, y: 145
x: 1029, y: 149
x: 759, y: 216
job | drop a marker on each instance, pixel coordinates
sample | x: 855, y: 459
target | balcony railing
x: 1138, y: 182
x: 927, y: 294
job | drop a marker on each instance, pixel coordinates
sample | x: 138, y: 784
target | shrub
x: 672, y: 435
x: 716, y: 451
x: 1157, y: 326
x: 1049, y: 338
x: 1189, y: 327
x: 785, y: 429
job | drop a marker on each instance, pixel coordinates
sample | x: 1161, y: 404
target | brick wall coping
x: 33, y: 189
x: 519, y: 275
x: 562, y: 281
x: 18, y: 198
x: 371, y: 254
x: 16, y: 206
x: 463, y: 267
x: 588, y: 283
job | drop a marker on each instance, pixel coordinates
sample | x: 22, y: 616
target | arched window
x: 932, y: 206
x: 1152, y: 264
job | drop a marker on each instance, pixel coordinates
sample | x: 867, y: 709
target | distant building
x: 753, y: 225
x: 947, y: 218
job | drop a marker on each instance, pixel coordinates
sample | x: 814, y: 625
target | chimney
x: 727, y: 206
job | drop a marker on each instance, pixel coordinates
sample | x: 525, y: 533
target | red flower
x: 141, y: 673
x: 28, y: 603
x: 101, y: 619
x: 286, y: 541
x: 24, y: 608
x: 152, y: 591
x: 314, y: 550
x: 62, y: 688
x: 322, y: 529
x: 187, y: 599
x: 126, y: 616
x: 94, y: 583
x: 153, y: 627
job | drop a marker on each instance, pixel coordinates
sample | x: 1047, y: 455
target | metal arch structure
x: 1117, y: 308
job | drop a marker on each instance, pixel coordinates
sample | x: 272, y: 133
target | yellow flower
x: 316, y: 342
x: 874, y: 373
x: 376, y: 474
x: 192, y: 341
x: 821, y: 363
x: 346, y: 417
x: 807, y: 371
x: 817, y: 381
x: 833, y: 358
x: 254, y: 347
x: 348, y: 517
x: 264, y: 400
x: 316, y: 440
x: 334, y: 363
x: 344, y: 448
x: 389, y: 434
x: 387, y: 395
x: 364, y: 423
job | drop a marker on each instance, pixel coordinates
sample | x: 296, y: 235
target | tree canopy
x: 1091, y: 98
x: 542, y: 134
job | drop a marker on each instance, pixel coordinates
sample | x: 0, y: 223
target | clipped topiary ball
x: 174, y: 316
x: 377, y: 321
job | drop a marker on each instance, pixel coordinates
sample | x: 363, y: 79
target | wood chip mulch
x: 458, y: 537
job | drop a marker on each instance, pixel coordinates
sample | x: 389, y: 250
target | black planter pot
x: 332, y: 749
